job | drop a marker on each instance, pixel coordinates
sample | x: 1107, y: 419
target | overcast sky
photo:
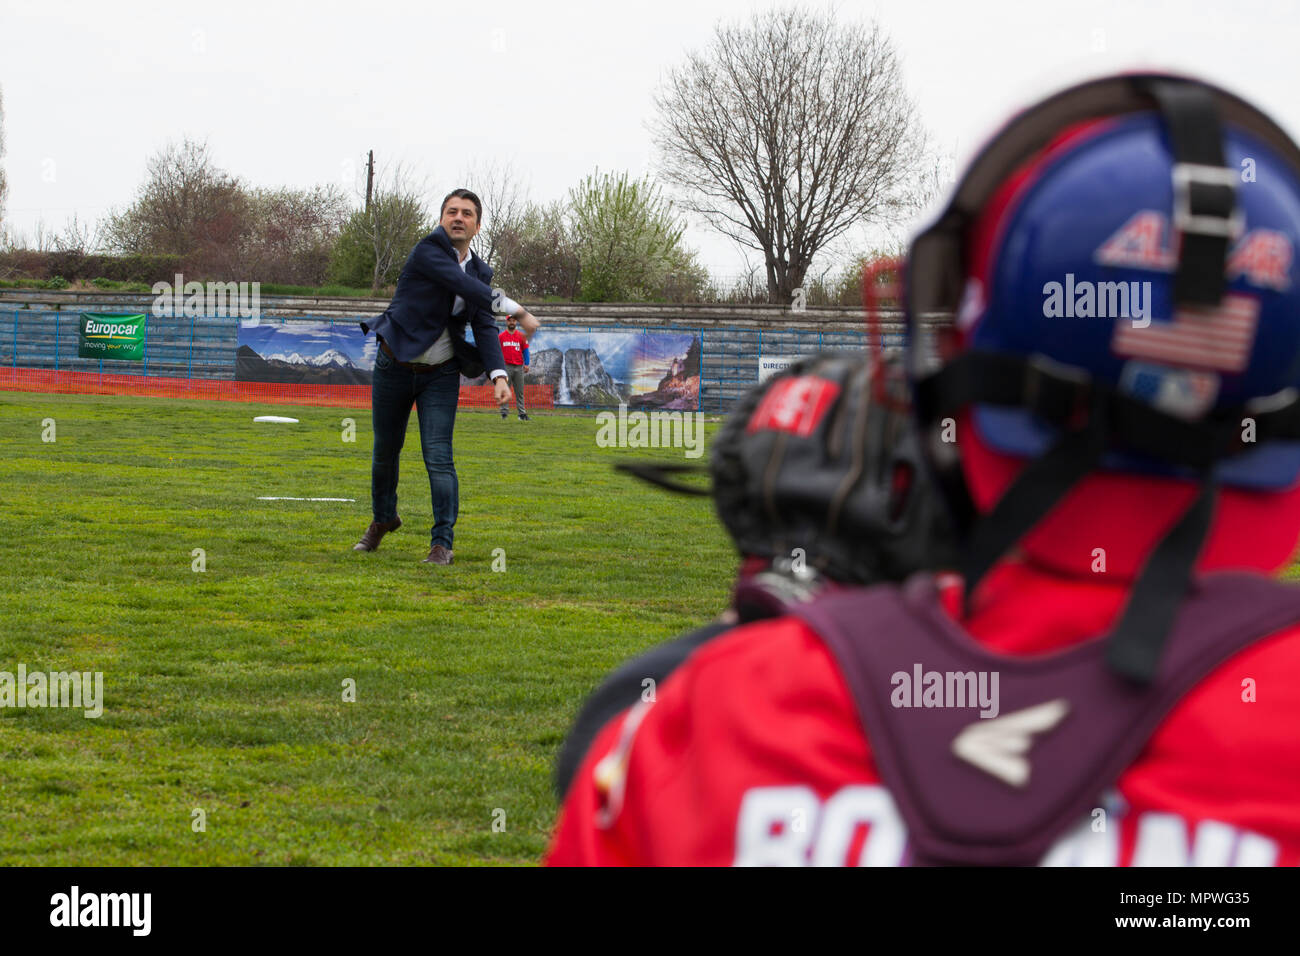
x: 294, y: 93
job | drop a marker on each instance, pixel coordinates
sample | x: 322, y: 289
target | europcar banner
x: 115, y: 337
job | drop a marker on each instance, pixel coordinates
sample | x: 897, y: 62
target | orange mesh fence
x: 224, y: 390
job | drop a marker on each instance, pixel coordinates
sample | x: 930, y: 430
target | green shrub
x: 113, y: 285
x: 324, y: 292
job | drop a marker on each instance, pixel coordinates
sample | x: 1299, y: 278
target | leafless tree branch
x: 787, y: 132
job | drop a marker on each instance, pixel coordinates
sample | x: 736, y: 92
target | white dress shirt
x: 440, y: 350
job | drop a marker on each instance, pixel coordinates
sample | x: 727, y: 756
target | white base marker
x: 270, y: 498
x: 276, y: 418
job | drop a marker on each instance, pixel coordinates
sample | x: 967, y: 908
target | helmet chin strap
x: 1091, y: 417
x: 1133, y: 649
x: 1036, y: 490
x: 1134, y: 646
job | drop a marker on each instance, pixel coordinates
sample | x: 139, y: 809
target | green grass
x: 223, y: 689
x: 53, y: 283
x: 114, y: 285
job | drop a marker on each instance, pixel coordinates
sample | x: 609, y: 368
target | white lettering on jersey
x: 789, y: 826
x: 851, y: 809
x: 768, y: 831
x: 1086, y: 845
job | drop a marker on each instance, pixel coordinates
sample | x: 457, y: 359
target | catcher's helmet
x: 1113, y: 284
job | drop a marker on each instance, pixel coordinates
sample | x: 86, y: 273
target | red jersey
x: 753, y: 752
x: 512, y: 347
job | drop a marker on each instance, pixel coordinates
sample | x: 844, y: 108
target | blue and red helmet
x: 1113, y: 285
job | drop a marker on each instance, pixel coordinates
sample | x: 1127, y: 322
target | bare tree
x: 505, y: 202
x: 539, y: 254
x: 398, y: 211
x: 294, y: 232
x: 42, y: 239
x: 78, y: 237
x: 788, y: 131
x: 186, y: 206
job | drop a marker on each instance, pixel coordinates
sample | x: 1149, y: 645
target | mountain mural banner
x: 304, y: 353
x: 641, y: 369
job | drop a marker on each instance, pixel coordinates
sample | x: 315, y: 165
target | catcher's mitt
x: 812, y: 469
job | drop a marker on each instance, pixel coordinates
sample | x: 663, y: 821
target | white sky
x: 294, y: 93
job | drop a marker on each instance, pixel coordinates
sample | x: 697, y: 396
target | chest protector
x: 999, y: 791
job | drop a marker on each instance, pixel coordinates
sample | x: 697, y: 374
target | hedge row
x: 28, y: 264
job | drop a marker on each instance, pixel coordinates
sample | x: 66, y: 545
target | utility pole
x: 370, y: 178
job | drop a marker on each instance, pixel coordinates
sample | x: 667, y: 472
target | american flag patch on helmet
x: 1218, y: 338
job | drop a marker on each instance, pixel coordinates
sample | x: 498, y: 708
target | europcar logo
x: 110, y: 330
x: 111, y: 336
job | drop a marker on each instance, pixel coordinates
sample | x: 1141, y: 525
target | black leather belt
x: 413, y: 366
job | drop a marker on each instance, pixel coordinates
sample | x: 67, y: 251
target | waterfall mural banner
x: 304, y: 353
x: 641, y: 369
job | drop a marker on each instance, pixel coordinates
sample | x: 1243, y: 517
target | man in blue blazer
x: 422, y: 354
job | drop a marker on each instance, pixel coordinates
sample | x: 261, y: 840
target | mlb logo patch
x: 1187, y: 393
x: 794, y: 405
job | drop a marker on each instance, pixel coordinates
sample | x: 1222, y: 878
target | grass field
x: 223, y: 689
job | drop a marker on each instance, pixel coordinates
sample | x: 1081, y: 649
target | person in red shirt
x: 514, y: 346
x: 1113, y: 679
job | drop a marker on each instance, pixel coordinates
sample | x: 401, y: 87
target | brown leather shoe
x: 375, y: 533
x: 438, y: 555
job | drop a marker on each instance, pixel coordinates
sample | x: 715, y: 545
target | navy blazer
x: 421, y: 307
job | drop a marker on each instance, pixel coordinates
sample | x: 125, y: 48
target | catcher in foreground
x: 1113, y: 678
x: 812, y: 502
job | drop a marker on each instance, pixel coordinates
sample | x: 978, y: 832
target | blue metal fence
x: 204, y: 347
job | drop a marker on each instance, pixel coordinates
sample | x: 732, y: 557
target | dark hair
x: 463, y: 194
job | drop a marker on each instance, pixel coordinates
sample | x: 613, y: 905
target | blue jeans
x: 393, y: 390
